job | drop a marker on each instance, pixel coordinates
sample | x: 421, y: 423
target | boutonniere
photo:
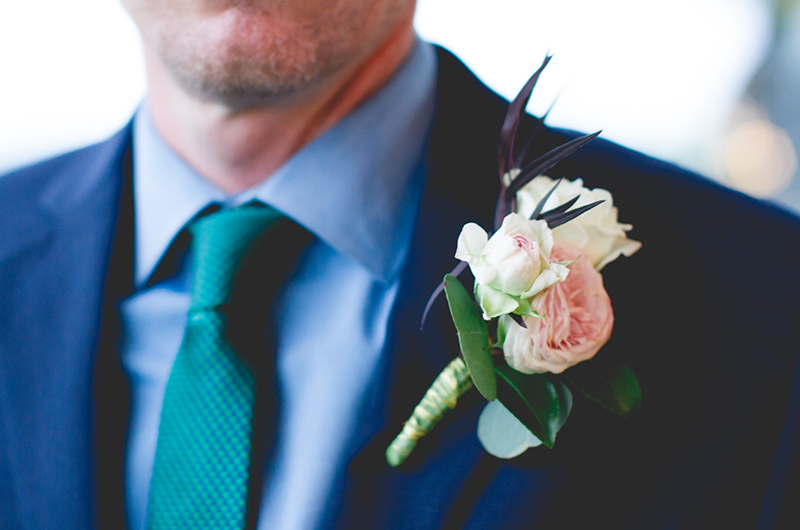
x: 537, y: 308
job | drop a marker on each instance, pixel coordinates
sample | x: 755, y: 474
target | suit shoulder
x: 672, y: 190
x: 30, y: 178
x: 469, y: 116
x: 59, y: 192
x: 63, y: 175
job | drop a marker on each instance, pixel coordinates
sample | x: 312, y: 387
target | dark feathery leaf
x: 545, y: 162
x: 439, y: 290
x: 508, y: 132
x: 500, y: 210
x: 512, y: 204
x: 537, y: 128
x: 560, y: 219
x: 560, y: 209
x: 518, y: 319
x: 540, y: 204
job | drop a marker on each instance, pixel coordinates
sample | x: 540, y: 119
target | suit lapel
x: 64, y: 252
x: 422, y: 492
x: 449, y: 471
x: 632, y: 473
x: 52, y: 273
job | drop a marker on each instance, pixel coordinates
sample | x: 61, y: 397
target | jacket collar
x: 355, y: 187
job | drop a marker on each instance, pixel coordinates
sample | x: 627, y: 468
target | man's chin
x: 236, y: 92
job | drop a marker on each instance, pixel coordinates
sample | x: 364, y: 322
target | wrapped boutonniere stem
x: 538, y: 306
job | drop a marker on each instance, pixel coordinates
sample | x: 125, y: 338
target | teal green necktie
x: 202, y: 462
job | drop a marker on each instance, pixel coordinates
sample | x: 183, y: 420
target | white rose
x: 512, y: 266
x: 597, y: 232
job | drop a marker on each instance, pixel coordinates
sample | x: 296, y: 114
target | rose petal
x: 572, y: 233
x: 621, y: 246
x: 494, y: 303
x: 577, y: 320
x: 483, y: 274
x: 552, y: 275
x: 517, y: 345
x: 471, y: 242
x: 597, y: 232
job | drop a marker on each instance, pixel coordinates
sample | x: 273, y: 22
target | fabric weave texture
x: 202, y: 463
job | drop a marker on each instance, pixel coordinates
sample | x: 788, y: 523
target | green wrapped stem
x: 442, y: 396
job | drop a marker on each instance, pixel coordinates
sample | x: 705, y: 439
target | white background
x: 660, y: 76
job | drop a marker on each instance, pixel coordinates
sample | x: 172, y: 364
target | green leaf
x: 611, y: 384
x: 501, y: 333
x: 473, y: 337
x: 542, y: 405
x: 526, y: 310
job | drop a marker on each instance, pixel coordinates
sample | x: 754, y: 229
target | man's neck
x: 236, y: 149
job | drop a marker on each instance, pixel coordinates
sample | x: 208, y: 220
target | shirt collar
x: 356, y: 187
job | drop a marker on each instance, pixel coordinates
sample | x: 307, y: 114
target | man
x: 382, y: 148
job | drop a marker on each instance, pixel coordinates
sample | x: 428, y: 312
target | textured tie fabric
x: 202, y: 463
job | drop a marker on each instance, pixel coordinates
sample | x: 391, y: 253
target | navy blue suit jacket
x: 707, y: 315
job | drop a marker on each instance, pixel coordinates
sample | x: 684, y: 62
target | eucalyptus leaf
x: 611, y: 384
x: 541, y: 404
x: 473, y: 337
x: 502, y: 434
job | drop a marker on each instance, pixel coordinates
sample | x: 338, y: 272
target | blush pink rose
x: 577, y: 320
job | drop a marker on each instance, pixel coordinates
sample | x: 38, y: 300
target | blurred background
x: 712, y: 85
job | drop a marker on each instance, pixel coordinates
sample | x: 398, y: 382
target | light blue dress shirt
x: 357, y: 189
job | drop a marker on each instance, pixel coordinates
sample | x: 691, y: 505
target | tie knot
x: 222, y: 243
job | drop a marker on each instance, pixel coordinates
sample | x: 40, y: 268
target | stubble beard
x: 245, y: 59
